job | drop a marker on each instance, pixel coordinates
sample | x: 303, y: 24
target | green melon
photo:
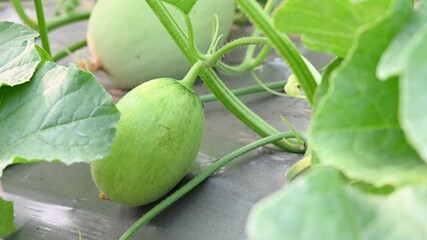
x: 129, y: 42
x: 158, y: 137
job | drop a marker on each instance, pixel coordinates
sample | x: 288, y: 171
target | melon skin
x: 132, y: 46
x: 158, y: 137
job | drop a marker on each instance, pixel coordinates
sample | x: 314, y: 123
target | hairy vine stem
x: 246, y: 65
x: 212, y: 59
x: 209, y: 60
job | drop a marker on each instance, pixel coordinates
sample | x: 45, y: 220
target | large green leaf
x: 184, y: 5
x: 6, y: 218
x: 356, y: 126
x: 322, y: 205
x: 18, y: 56
x: 328, y: 26
x: 61, y: 114
x: 407, y: 56
x: 413, y: 99
x: 396, y: 56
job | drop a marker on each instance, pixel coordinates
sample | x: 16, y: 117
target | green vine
x: 64, y: 20
x: 17, y: 4
x: 42, y: 25
x: 272, y: 91
x: 245, y: 91
x: 51, y: 24
x: 72, y: 48
x: 283, y: 45
x: 268, y: 8
x: 190, y: 34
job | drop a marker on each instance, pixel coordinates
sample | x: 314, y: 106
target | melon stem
x: 193, y: 73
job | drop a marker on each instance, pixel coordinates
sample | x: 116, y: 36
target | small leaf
x: 322, y: 205
x: 18, y: 57
x: 184, y: 5
x: 322, y: 89
x: 44, y: 56
x: 328, y: 26
x: 61, y: 114
x: 356, y: 127
x: 6, y: 218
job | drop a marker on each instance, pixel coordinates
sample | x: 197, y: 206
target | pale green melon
x: 130, y: 43
x: 158, y: 136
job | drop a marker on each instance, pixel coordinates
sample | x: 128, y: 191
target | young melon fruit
x: 158, y: 136
x: 132, y: 46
